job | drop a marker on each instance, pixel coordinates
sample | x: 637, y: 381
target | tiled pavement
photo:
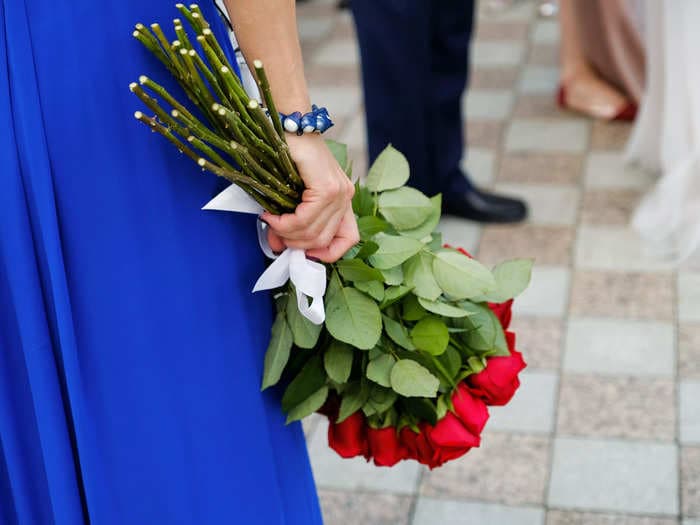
x: 606, y: 427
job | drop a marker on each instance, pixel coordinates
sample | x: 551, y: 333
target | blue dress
x: 131, y: 347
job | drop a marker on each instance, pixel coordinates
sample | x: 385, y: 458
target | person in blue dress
x: 131, y: 347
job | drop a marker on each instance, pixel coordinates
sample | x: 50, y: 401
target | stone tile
x: 609, y: 206
x: 544, y: 54
x: 311, y: 423
x: 531, y: 409
x: 354, y: 133
x: 333, y: 472
x: 341, y: 508
x: 479, y: 164
x: 690, y: 481
x: 689, y: 297
x: 547, y: 136
x: 345, y: 101
x: 479, y: 474
x: 493, y: 54
x: 617, y: 407
x: 539, y: 79
x: 615, y: 346
x: 692, y: 263
x: 610, y: 135
x: 613, y: 475
x: 608, y: 170
x: 549, y: 205
x: 547, y: 295
x: 550, y: 245
x: 433, y: 511
x: 460, y: 233
x: 691, y: 522
x: 541, y: 168
x: 344, y: 27
x: 562, y: 517
x: 493, y: 78
x: 629, y: 295
x: 690, y: 412
x: 484, y: 133
x: 537, y: 105
x: 615, y: 248
x: 314, y: 28
x: 689, y: 351
x: 539, y: 340
x: 487, y: 104
x: 515, y: 12
x: 546, y: 32
x: 489, y: 30
x: 338, y: 76
x: 338, y: 53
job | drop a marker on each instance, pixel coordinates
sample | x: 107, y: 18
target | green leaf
x: 461, y: 277
x: 512, y: 278
x: 410, y: 379
x: 397, y: 333
x: 379, y: 369
x: 380, y: 400
x: 393, y: 276
x: 352, y: 400
x: 389, y: 171
x: 310, y: 405
x: 334, y: 286
x: 435, y: 243
x: 485, y: 333
x: 451, y: 360
x: 338, y: 361
x: 357, y: 270
x: 418, y: 273
x: 394, y: 294
x: 420, y: 408
x: 363, y: 201
x: 443, y: 405
x: 412, y: 310
x: 430, y: 335
x: 369, y: 226
x: 428, y: 226
x: 374, y: 289
x: 305, y: 332
x: 367, y: 248
x: 278, y: 350
x: 393, y: 250
x: 443, y: 309
x: 477, y: 364
x: 354, y: 318
x: 308, y: 381
x: 405, y: 208
x: 340, y: 152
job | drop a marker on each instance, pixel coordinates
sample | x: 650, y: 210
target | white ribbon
x: 308, y: 277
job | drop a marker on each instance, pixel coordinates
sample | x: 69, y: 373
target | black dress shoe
x: 480, y: 206
x: 344, y: 4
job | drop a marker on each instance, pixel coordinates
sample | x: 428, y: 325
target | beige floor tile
x: 484, y: 133
x: 563, y: 517
x: 314, y: 28
x: 540, y: 341
x: 493, y: 77
x: 541, y: 168
x: 492, y: 30
x: 690, y: 481
x: 338, y: 76
x: 499, y: 53
x: 538, y: 105
x: 342, y: 508
x: 609, y: 206
x: 610, y: 135
x: 689, y: 351
x: 544, y: 55
x: 623, y: 295
x: 617, y: 407
x: 480, y: 474
x: 548, y: 245
x: 338, y: 53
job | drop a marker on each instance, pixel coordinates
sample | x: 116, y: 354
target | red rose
x: 385, y: 447
x: 496, y: 384
x: 349, y: 438
x: 471, y: 410
x: 450, y: 439
x: 504, y: 312
x: 417, y: 445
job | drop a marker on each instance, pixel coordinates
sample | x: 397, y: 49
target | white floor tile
x: 343, y: 101
x: 460, y: 233
x: 547, y: 136
x: 431, y: 511
x: 548, y: 293
x: 608, y: 170
x: 338, y: 53
x: 548, y: 204
x: 546, y: 32
x: 689, y: 297
x: 690, y: 412
x: 539, y: 79
x: 487, y: 104
x: 479, y: 164
x: 485, y: 54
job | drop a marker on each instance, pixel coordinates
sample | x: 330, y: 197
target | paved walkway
x: 606, y: 428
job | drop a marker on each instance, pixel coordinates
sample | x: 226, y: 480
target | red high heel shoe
x: 627, y: 114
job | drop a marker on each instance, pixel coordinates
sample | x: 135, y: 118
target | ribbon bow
x: 308, y: 277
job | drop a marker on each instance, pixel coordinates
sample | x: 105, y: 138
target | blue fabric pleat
x: 130, y: 345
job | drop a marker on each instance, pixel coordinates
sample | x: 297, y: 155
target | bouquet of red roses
x: 409, y: 343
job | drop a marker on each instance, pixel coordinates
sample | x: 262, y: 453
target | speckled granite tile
x: 690, y: 481
x: 544, y: 55
x: 341, y: 508
x: 539, y: 106
x: 609, y: 135
x: 613, y: 207
x: 327, y: 75
x: 631, y: 295
x: 491, y: 30
x: 543, y: 168
x: 548, y: 245
x: 689, y: 351
x: 540, y: 341
x: 493, y: 78
x: 480, y: 474
x: 562, y: 517
x: 617, y: 407
x: 484, y: 133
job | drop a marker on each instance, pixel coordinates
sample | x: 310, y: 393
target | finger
x: 307, y: 223
x: 275, y: 241
x: 346, y: 237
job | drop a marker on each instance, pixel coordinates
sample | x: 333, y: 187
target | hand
x: 323, y: 224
